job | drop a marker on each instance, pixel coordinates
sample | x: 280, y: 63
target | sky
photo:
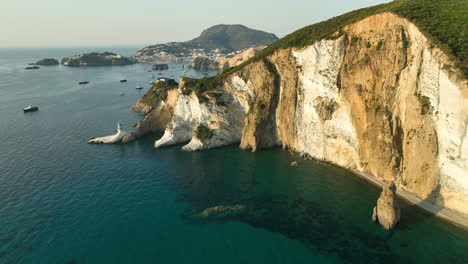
x: 53, y: 23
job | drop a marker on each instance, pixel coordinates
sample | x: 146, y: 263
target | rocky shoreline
x: 453, y: 217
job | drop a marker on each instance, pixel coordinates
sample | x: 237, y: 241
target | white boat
x: 31, y: 108
x: 138, y: 87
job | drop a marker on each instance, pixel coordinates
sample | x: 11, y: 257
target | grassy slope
x: 445, y: 22
x: 157, y: 93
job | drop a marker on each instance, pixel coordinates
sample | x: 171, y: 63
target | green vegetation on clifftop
x: 444, y: 22
x: 158, y: 92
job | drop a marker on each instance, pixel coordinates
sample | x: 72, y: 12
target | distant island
x: 216, y: 41
x: 46, y: 62
x: 97, y: 59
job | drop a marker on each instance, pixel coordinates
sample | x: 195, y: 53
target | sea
x: 65, y: 201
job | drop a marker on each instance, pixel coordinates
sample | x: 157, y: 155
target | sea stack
x: 387, y: 211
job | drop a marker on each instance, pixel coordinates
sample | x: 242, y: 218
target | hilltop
x: 215, y: 41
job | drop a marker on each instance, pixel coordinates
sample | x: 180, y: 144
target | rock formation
x: 46, y: 62
x: 231, y: 61
x: 223, y: 62
x: 387, y: 211
x: 205, y: 64
x: 116, y: 138
x: 376, y: 97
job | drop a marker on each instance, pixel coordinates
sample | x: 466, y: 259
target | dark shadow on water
x: 310, y: 223
x: 409, y: 218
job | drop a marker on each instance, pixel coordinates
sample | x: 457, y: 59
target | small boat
x: 149, y: 70
x: 84, y: 82
x: 138, y: 87
x: 152, y: 76
x: 122, y: 94
x: 31, y: 108
x: 123, y: 80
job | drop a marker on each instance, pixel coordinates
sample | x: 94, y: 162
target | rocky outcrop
x: 376, y: 97
x: 387, y: 211
x: 142, y: 107
x: 96, y: 59
x: 231, y: 61
x: 116, y: 138
x: 46, y: 62
x: 154, y: 96
x: 154, y: 105
x: 205, y: 64
x: 155, y: 121
x: 223, y: 62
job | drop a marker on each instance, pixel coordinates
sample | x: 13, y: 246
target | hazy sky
x: 141, y: 22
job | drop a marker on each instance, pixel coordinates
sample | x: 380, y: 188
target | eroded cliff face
x: 376, y: 97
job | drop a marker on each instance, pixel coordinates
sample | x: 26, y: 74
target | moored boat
x: 31, y: 108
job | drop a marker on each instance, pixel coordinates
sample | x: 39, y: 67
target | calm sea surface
x: 64, y: 201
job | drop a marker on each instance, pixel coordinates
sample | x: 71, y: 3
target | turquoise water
x: 64, y: 201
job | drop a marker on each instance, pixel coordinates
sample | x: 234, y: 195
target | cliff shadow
x: 415, y: 214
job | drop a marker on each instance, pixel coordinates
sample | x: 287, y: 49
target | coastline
x: 455, y: 218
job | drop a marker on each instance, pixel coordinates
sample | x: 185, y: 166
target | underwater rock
x: 223, y: 211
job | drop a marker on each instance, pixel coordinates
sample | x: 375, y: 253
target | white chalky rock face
x: 116, y: 138
x: 327, y: 119
x: 332, y: 139
x: 452, y: 123
x: 226, y: 120
x: 185, y: 117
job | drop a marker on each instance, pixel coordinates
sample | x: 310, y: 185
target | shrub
x: 261, y: 105
x: 368, y: 45
x: 203, y: 133
x: 379, y: 45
